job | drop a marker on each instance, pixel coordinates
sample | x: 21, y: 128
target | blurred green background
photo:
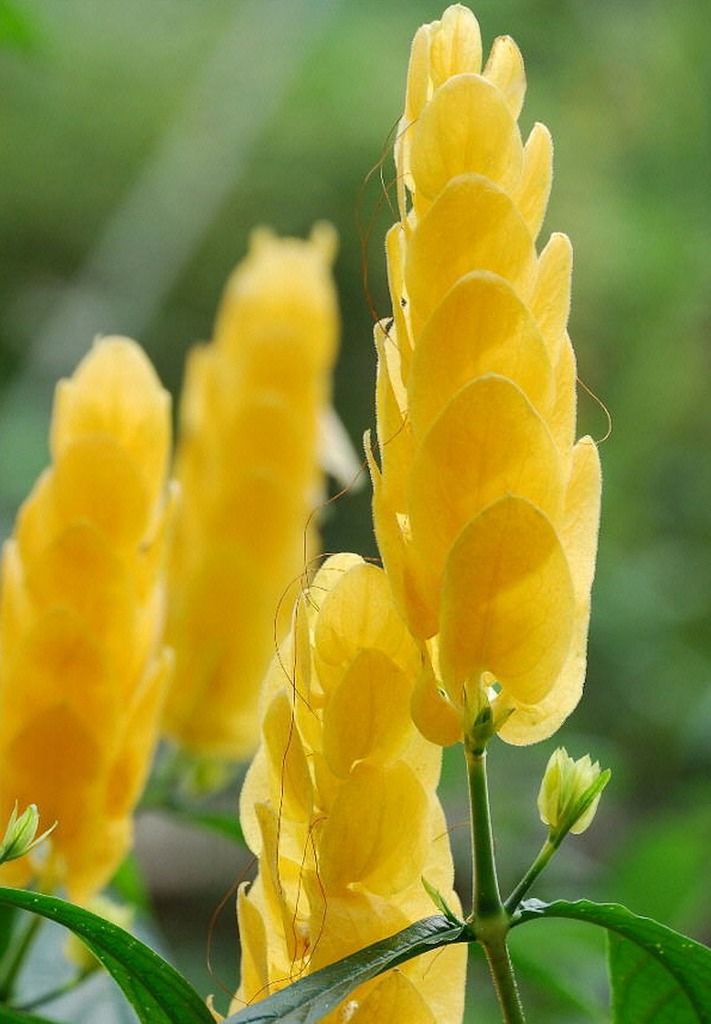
x: 141, y: 142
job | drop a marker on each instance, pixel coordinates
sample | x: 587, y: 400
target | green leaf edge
x: 309, y: 999
x: 9, y: 1016
x: 671, y: 949
x: 150, y: 984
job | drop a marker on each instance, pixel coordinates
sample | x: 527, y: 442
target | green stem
x: 489, y: 919
x: 545, y: 854
x: 18, y: 958
x: 502, y: 973
x: 487, y: 899
x: 58, y: 991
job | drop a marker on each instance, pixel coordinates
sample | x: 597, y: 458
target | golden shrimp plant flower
x: 247, y: 462
x: 340, y: 807
x: 82, y: 669
x: 486, y: 509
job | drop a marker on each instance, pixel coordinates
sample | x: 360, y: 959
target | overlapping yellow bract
x: 486, y: 509
x: 82, y: 672
x: 247, y: 462
x: 339, y: 805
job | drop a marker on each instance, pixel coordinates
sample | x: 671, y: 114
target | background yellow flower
x: 248, y: 463
x: 82, y: 669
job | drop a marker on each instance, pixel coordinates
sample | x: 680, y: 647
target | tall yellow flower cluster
x: 247, y: 463
x: 339, y: 805
x: 486, y: 510
x: 82, y: 673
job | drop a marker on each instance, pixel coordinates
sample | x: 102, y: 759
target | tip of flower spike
x: 324, y: 238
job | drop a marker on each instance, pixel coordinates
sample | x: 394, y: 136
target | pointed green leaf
x: 311, y: 998
x: 656, y: 974
x: 155, y: 990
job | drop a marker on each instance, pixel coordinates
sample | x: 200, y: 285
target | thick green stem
x: 502, y: 973
x: 487, y: 899
x: 489, y: 919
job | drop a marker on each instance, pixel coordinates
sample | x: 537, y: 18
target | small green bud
x: 570, y: 793
x: 20, y: 834
x: 482, y: 717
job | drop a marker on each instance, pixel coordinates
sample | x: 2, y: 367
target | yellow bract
x: 486, y: 510
x: 82, y: 674
x: 248, y: 465
x: 340, y: 806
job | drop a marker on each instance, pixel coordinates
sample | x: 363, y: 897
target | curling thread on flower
x: 247, y: 462
x: 82, y: 671
x: 339, y: 805
x: 486, y: 509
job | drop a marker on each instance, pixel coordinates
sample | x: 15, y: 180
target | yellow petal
x: 393, y: 997
x: 581, y: 518
x: 561, y: 418
x: 531, y: 192
x: 488, y: 442
x: 472, y: 225
x: 505, y: 69
x: 433, y: 712
x: 550, y: 303
x: 418, y: 74
x: 455, y: 45
x: 376, y: 831
x: 348, y: 921
x: 530, y: 724
x: 367, y: 715
x: 116, y: 392
x: 409, y: 586
x: 58, y: 577
x: 466, y: 127
x: 507, y: 603
x: 358, y: 613
x: 254, y: 969
x: 95, y: 480
x: 130, y: 769
x: 59, y: 662
x: 294, y: 789
x: 480, y: 327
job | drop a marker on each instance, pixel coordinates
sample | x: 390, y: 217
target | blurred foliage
x: 92, y: 89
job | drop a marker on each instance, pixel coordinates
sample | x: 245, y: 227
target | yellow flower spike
x: 486, y: 509
x: 82, y: 675
x: 341, y: 856
x: 247, y: 461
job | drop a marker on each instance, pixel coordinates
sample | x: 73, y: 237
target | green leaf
x: 8, y: 1016
x: 8, y: 917
x: 642, y: 990
x: 311, y: 998
x: 656, y: 974
x: 155, y: 990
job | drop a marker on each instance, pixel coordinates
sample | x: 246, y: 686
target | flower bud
x: 20, y: 834
x: 570, y: 793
